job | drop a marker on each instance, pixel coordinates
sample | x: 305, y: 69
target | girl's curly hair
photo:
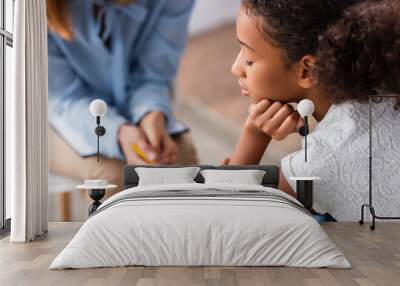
x: 360, y: 54
x: 357, y: 42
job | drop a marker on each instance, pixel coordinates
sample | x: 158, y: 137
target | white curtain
x: 26, y: 119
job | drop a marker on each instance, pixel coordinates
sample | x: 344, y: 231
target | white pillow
x: 248, y: 177
x: 163, y: 176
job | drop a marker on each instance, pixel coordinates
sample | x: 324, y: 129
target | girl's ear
x: 306, y: 77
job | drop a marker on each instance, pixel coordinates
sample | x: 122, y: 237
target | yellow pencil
x: 140, y: 153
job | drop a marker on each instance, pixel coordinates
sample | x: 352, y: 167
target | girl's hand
x: 129, y: 134
x: 165, y: 148
x: 275, y: 119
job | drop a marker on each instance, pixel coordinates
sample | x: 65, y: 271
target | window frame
x: 6, y: 39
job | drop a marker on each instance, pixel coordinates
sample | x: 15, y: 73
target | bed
x: 201, y: 224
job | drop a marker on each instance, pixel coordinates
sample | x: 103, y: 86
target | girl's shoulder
x: 355, y: 114
x: 349, y: 122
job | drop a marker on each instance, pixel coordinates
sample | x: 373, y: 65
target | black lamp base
x: 96, y: 195
x: 372, y: 98
x: 374, y: 216
x: 304, y: 191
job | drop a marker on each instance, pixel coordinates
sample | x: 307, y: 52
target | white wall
x: 210, y: 14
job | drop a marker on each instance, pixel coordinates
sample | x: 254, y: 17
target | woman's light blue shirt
x: 134, y: 76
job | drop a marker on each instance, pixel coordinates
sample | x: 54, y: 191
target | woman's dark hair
x: 357, y: 43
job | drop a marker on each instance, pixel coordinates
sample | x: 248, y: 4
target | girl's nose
x: 237, y: 67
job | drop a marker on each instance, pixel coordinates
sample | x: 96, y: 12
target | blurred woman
x: 125, y: 53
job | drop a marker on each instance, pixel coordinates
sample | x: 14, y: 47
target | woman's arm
x: 155, y: 70
x: 69, y: 100
x: 157, y: 62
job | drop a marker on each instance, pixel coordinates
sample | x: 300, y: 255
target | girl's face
x: 260, y: 65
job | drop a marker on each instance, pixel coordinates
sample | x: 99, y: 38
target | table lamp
x: 305, y: 109
x: 97, y: 188
x: 304, y: 185
x: 98, y: 108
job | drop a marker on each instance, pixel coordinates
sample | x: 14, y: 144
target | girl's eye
x: 249, y: 63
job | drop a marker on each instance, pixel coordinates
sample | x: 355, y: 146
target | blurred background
x: 208, y: 100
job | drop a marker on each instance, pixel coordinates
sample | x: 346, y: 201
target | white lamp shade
x: 98, y: 107
x: 305, y: 107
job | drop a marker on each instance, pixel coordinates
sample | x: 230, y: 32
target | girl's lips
x: 243, y: 90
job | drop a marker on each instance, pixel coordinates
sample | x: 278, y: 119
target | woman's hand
x: 129, y: 134
x: 275, y: 119
x: 165, y: 148
x: 225, y: 161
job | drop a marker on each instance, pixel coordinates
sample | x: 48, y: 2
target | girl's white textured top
x: 338, y: 152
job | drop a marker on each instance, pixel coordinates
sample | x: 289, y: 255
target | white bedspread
x: 182, y: 231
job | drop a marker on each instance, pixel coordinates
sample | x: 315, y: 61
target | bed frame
x: 131, y: 178
x: 270, y: 179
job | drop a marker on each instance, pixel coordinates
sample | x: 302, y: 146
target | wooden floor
x: 375, y: 257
